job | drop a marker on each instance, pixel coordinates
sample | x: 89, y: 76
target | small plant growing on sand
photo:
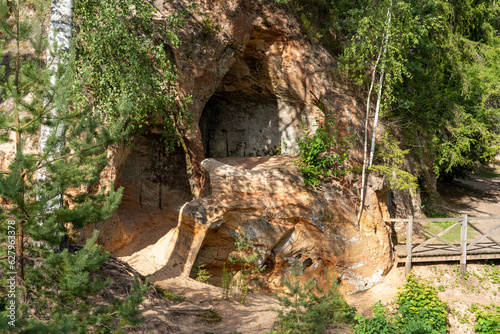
x: 168, y: 294
x: 210, y: 317
x: 418, y: 310
x: 200, y: 273
x: 227, y: 281
x: 311, y: 309
x: 235, y: 284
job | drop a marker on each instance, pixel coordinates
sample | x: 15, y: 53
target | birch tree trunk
x: 380, y: 57
x: 380, y: 88
x: 365, y: 145
x: 59, y: 47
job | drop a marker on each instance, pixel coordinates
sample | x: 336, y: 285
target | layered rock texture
x: 254, y: 81
x: 265, y: 198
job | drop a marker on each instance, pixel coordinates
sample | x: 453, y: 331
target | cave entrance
x: 234, y: 124
x: 242, y: 118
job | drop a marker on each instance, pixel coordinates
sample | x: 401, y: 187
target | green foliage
x: 201, y: 274
x: 318, y: 162
x: 441, y: 72
x: 125, y: 55
x: 326, y: 21
x: 227, y: 281
x: 451, y: 94
x: 487, y: 321
x: 380, y: 323
x: 235, y: 284
x: 210, y: 317
x: 209, y: 26
x: 418, y: 302
x: 493, y: 274
x: 56, y: 291
x: 168, y: 294
x: 60, y: 290
x: 392, y: 169
x: 419, y: 310
x: 311, y: 309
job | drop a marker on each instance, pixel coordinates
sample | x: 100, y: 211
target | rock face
x: 265, y: 198
x: 253, y: 79
x: 155, y: 187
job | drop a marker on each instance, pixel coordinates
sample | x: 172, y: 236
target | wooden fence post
x: 463, y: 247
x: 409, y: 234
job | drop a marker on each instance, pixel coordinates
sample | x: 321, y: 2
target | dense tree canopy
x: 125, y: 55
x: 441, y: 86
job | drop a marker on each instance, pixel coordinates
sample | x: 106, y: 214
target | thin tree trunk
x: 365, y: 146
x: 381, y: 84
x: 383, y: 51
x: 20, y: 254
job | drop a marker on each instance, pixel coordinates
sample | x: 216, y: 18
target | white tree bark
x: 381, y: 86
x: 59, y: 47
x: 381, y: 54
x: 365, y: 145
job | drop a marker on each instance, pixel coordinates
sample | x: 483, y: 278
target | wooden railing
x: 463, y: 221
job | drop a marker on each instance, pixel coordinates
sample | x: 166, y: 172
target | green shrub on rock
x: 322, y: 154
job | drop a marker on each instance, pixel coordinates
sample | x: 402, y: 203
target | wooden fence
x: 428, y: 252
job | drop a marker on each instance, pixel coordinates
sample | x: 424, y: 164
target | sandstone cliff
x: 254, y: 80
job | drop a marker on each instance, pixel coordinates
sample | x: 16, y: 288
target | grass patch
x: 168, y: 294
x: 452, y: 236
x: 210, y: 317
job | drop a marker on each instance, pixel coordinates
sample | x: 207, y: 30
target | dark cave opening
x: 234, y: 124
x: 242, y: 118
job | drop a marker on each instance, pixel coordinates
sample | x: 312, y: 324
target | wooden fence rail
x: 447, y: 251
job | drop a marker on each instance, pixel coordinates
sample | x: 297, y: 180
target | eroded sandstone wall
x: 254, y: 81
x: 266, y: 199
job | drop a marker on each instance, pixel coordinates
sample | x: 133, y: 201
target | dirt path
x: 478, y: 196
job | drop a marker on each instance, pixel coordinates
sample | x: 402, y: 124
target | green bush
x: 487, y: 322
x: 419, y: 310
x: 236, y: 285
x: 125, y: 56
x: 200, y: 274
x: 317, y: 161
x: 379, y: 323
x: 311, y: 309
